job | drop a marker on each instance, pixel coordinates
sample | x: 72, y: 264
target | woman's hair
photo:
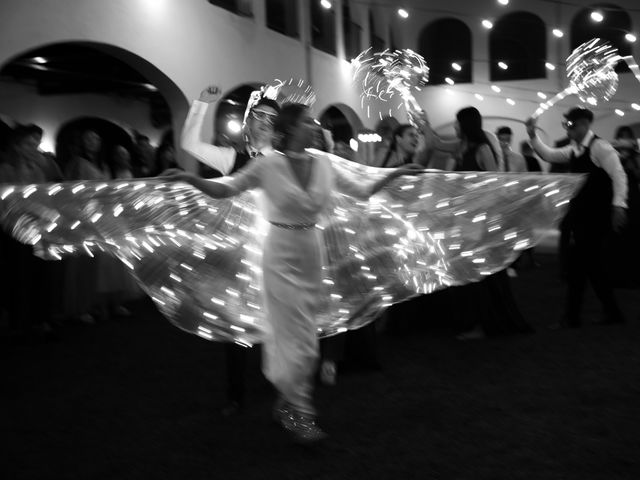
x: 470, y: 122
x: 624, y: 130
x: 288, y: 118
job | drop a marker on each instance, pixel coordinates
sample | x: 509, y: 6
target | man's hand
x: 530, y: 123
x: 211, y: 94
x: 618, y: 218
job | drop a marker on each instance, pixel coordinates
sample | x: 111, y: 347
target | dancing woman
x: 486, y: 307
x: 297, y: 188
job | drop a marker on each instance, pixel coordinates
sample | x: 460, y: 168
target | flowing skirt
x: 292, y: 267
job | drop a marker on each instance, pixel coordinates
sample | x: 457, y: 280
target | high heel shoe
x: 328, y: 373
x: 302, y: 427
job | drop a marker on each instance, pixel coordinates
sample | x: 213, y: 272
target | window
x: 615, y: 25
x: 377, y: 43
x: 442, y: 43
x: 241, y: 7
x: 282, y: 16
x: 352, y: 33
x: 518, y: 41
x: 323, y: 28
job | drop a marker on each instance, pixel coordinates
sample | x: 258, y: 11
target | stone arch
x: 343, y: 122
x: 173, y: 98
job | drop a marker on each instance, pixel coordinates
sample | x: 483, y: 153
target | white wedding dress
x: 292, y: 267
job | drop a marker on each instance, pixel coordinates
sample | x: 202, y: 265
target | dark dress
x: 488, y: 303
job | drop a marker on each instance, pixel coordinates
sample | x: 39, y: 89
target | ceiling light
x: 550, y: 66
x: 496, y: 88
x: 542, y: 95
x: 630, y: 37
x: 449, y: 81
x: 558, y: 33
x: 479, y: 97
x: 503, y: 65
x: 326, y: 4
x: 619, y: 112
x: 510, y: 102
x: 403, y: 13
x: 597, y: 16
x: 503, y: 2
x: 635, y: 106
x: 456, y: 66
x: 487, y: 24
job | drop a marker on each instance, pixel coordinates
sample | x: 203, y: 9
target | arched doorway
x: 55, y: 84
x: 344, y: 125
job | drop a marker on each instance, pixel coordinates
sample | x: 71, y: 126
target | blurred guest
x: 29, y: 299
x: 342, y: 149
x: 625, y: 255
x: 626, y: 145
x: 401, y: 150
x: 384, y: 129
x: 121, y: 162
x: 81, y: 272
x: 166, y: 158
x: 511, y: 161
x: 597, y: 207
x: 114, y: 283
x: 458, y: 146
x: 533, y: 165
x: 486, y: 307
x: 86, y: 163
x: 143, y: 158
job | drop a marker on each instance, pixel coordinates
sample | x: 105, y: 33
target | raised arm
x: 220, y: 158
x: 548, y: 154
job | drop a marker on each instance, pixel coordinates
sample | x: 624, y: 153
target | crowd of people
x: 38, y: 295
x: 296, y: 189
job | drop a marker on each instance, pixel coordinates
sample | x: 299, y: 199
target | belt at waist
x: 300, y: 226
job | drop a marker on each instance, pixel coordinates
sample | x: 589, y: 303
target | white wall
x: 23, y: 104
x: 190, y: 44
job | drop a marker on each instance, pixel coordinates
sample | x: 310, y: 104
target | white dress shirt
x: 602, y: 154
x: 221, y: 158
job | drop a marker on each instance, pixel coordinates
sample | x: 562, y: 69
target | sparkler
x: 383, y: 75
